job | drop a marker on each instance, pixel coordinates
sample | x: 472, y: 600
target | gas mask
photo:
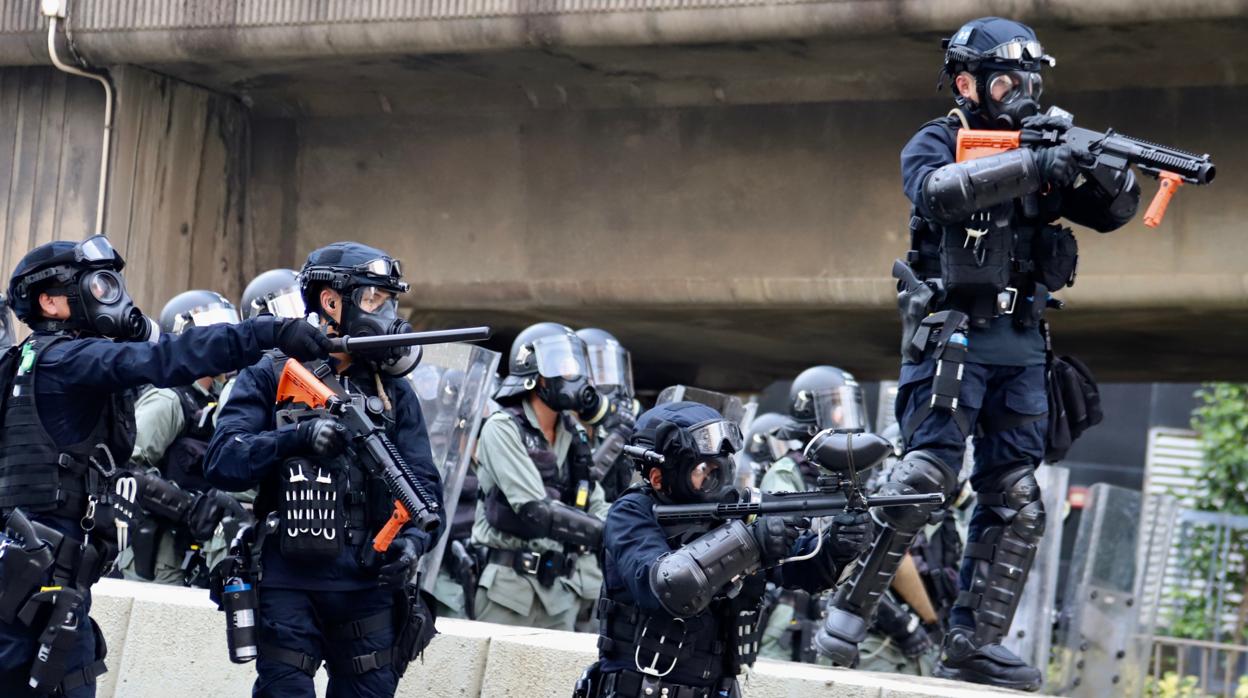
x: 1009, y: 96
x: 565, y: 385
x: 698, y: 463
x: 370, y: 311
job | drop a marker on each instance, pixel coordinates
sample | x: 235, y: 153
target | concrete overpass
x: 713, y: 180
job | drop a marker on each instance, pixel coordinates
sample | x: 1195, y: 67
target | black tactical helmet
x: 1003, y: 51
x: 609, y: 361
x: 275, y: 292
x: 522, y: 369
x: 824, y: 397
x: 197, y: 308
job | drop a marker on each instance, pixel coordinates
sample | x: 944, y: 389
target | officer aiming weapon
x: 302, y: 394
x: 836, y: 453
x: 1102, y: 156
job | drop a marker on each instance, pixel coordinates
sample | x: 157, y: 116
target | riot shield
x: 1031, y: 633
x: 452, y: 382
x: 1097, y: 653
x: 728, y: 405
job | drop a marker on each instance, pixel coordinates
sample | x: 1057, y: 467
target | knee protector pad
x: 918, y: 472
x: 1015, y: 497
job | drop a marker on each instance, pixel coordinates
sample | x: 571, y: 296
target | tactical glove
x: 1045, y: 122
x: 1057, y: 165
x: 302, y: 341
x: 915, y: 644
x: 849, y: 535
x: 323, y: 436
x: 400, y: 561
x: 776, y: 538
x: 208, y: 510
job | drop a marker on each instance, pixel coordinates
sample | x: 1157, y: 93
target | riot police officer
x: 68, y: 426
x: 680, y: 607
x: 324, y: 596
x: 612, y: 370
x: 763, y: 446
x: 274, y: 292
x: 172, y: 429
x: 539, y: 512
x: 986, y: 255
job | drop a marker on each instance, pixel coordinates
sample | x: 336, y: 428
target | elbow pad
x: 561, y: 522
x: 164, y: 499
x: 687, y: 580
x: 957, y: 190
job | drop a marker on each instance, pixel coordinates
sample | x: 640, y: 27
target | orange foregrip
x: 1169, y: 184
x: 299, y: 386
x: 974, y: 143
x: 387, y: 533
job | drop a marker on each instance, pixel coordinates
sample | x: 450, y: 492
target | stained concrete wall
x: 752, y: 240
x: 171, y: 641
x: 176, y: 194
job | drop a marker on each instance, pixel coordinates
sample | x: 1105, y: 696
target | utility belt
x: 46, y: 577
x: 632, y: 684
x: 547, y: 566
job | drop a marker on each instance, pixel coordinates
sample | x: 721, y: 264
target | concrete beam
x: 171, y: 641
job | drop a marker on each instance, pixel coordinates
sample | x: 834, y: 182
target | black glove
x: 849, y: 535
x: 208, y: 510
x: 916, y: 644
x: 1057, y: 165
x: 1044, y: 122
x: 301, y: 341
x: 400, y: 559
x: 622, y: 421
x: 323, y: 436
x: 776, y: 538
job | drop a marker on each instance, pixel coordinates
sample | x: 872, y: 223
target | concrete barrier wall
x: 167, y: 641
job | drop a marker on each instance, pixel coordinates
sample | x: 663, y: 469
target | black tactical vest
x: 183, y: 461
x: 563, y: 481
x: 35, y: 473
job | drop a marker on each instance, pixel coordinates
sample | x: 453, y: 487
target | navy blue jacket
x: 934, y: 146
x: 634, y: 541
x: 76, y: 377
x: 248, y: 445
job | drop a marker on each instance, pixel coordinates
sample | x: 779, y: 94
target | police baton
x: 348, y: 344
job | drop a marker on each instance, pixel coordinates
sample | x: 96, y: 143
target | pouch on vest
x: 1074, y: 405
x: 1055, y: 253
x: 976, y: 265
x: 311, y: 524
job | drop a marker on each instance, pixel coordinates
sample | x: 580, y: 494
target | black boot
x: 991, y: 664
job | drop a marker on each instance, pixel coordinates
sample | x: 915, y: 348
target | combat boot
x: 991, y: 664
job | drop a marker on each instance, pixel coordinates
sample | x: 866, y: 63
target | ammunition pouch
x: 745, y: 627
x: 143, y: 543
x: 311, y: 511
x: 1055, y: 254
x: 977, y: 266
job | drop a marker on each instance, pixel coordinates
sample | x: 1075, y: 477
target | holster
x: 913, y: 303
x: 414, y: 626
x: 588, y: 685
x: 143, y: 541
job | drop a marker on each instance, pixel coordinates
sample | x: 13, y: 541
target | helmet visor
x: 1010, y: 86
x: 561, y: 356
x: 611, y: 366
x: 205, y: 315
x: 840, y: 408
x: 717, y: 438
x: 287, y: 303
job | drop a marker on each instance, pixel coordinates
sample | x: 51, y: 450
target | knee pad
x: 1015, y: 497
x: 918, y: 472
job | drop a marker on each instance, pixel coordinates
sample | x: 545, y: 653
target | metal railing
x: 1218, y: 665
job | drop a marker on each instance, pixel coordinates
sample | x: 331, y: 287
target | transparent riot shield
x: 453, y: 383
x: 1097, y: 653
x: 728, y: 405
x: 1031, y: 634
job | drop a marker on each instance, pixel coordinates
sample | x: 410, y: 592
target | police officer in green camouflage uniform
x: 539, y: 514
x: 172, y: 429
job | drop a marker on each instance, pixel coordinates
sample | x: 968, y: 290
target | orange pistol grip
x: 387, y: 533
x: 1169, y: 184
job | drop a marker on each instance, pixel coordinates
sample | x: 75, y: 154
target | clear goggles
x: 287, y: 303
x: 1024, y: 51
x: 96, y: 250
x: 1007, y: 87
x: 717, y: 438
x: 561, y: 356
x: 611, y: 366
x: 382, y: 267
x: 840, y: 408
x: 371, y: 299
x: 205, y: 315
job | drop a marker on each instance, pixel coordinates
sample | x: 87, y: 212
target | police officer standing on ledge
x: 539, y: 514
x: 985, y: 256
x: 324, y: 595
x: 68, y: 426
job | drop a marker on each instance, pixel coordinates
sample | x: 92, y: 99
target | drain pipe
x: 56, y: 11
